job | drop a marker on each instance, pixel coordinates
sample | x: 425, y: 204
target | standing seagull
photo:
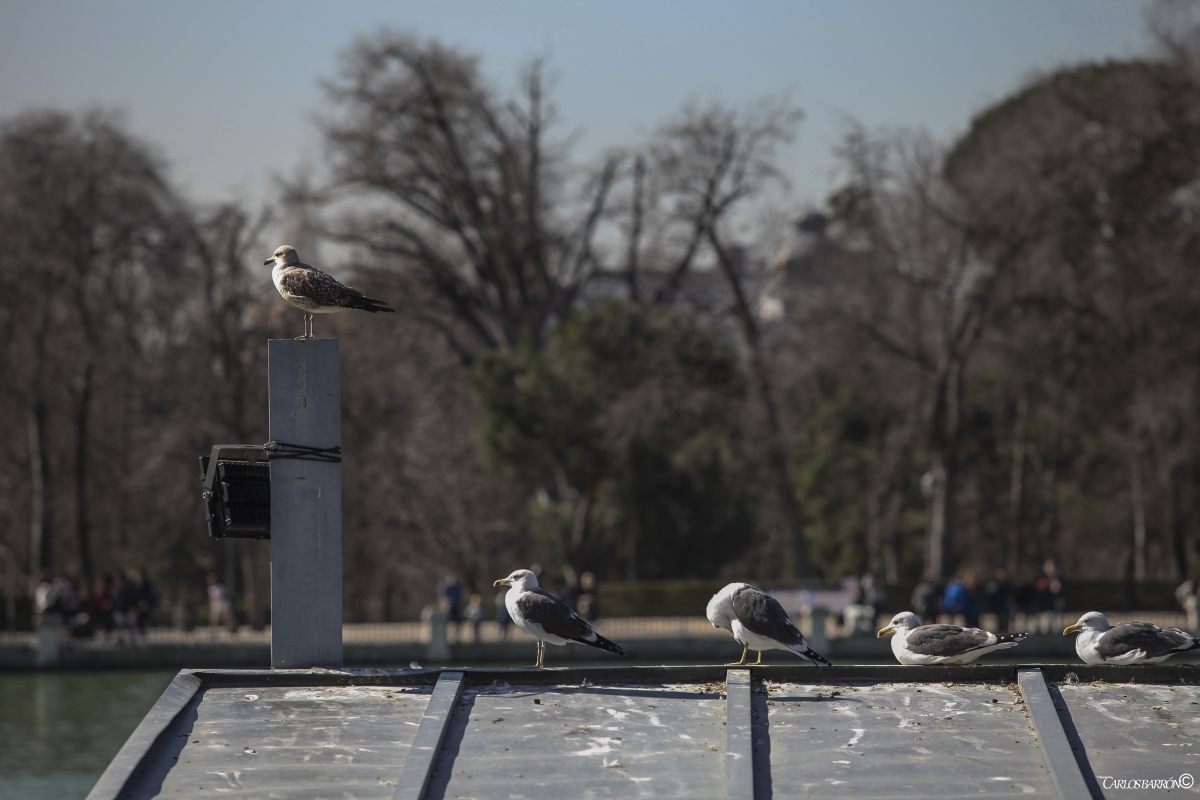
x: 315, y: 292
x: 915, y: 643
x: 1127, y: 642
x: 757, y: 620
x: 546, y: 618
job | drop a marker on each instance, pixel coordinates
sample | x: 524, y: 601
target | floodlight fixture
x: 237, y: 485
x: 237, y: 491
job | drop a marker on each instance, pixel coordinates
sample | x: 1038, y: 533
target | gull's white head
x: 284, y: 256
x: 521, y: 579
x: 904, y: 621
x: 1091, y: 621
x: 720, y: 607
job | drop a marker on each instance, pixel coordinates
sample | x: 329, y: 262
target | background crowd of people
x: 116, y: 607
x: 967, y: 596
x: 121, y: 607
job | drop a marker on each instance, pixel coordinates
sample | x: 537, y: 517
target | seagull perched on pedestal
x: 547, y: 618
x: 757, y: 621
x: 1127, y: 642
x: 315, y: 292
x: 915, y: 643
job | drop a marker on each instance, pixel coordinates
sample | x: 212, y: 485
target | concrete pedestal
x: 306, y: 505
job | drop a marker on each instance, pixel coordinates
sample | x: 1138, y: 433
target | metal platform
x: 696, y: 732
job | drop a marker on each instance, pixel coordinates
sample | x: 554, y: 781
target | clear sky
x: 228, y: 90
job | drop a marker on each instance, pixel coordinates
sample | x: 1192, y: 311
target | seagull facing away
x: 915, y: 643
x: 1127, y: 642
x: 313, y: 291
x: 546, y: 618
x: 757, y: 621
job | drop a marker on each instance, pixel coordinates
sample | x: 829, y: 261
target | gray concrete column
x: 50, y: 636
x: 437, y: 651
x: 306, y: 505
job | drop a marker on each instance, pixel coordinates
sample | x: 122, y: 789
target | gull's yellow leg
x: 759, y: 657
x: 745, y: 649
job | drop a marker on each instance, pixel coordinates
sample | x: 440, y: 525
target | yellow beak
x: 500, y: 582
x: 1070, y: 629
x: 885, y: 632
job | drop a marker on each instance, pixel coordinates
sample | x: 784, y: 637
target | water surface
x: 59, y: 730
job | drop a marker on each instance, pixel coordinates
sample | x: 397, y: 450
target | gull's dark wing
x: 557, y: 618
x: 947, y: 640
x: 1150, y: 639
x: 762, y: 614
x: 323, y: 288
x: 313, y: 284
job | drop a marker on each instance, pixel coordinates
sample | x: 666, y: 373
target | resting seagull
x: 757, y: 621
x: 315, y: 292
x: 915, y: 643
x: 546, y: 618
x: 1127, y: 642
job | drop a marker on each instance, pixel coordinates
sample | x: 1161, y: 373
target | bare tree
x: 1175, y: 27
x: 462, y: 188
x: 223, y: 242
x: 707, y: 163
x: 92, y: 205
x: 914, y: 236
x: 1093, y: 165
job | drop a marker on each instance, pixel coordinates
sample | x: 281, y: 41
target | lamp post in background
x: 933, y: 550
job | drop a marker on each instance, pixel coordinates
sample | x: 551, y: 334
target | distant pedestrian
x: 45, y: 596
x: 956, y: 600
x: 73, y: 614
x: 587, y: 603
x: 475, y: 615
x: 1189, y: 600
x: 104, y: 596
x: 571, y: 588
x: 872, y: 596
x: 1049, y: 598
x: 125, y: 608
x: 975, y: 598
x: 924, y: 599
x: 503, y: 620
x: 143, y: 599
x: 449, y: 592
x: 999, y: 599
x: 220, y: 604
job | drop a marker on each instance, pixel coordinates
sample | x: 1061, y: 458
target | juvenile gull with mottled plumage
x: 1127, y: 642
x: 758, y: 621
x: 915, y: 643
x: 313, y: 291
x: 547, y: 618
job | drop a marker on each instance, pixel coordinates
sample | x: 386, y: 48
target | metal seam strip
x: 423, y: 755
x: 739, y: 736
x: 1060, y: 758
x: 173, y: 700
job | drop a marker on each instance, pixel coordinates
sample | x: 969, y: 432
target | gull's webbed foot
x: 745, y: 650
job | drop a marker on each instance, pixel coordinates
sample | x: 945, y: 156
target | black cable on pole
x: 301, y: 452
